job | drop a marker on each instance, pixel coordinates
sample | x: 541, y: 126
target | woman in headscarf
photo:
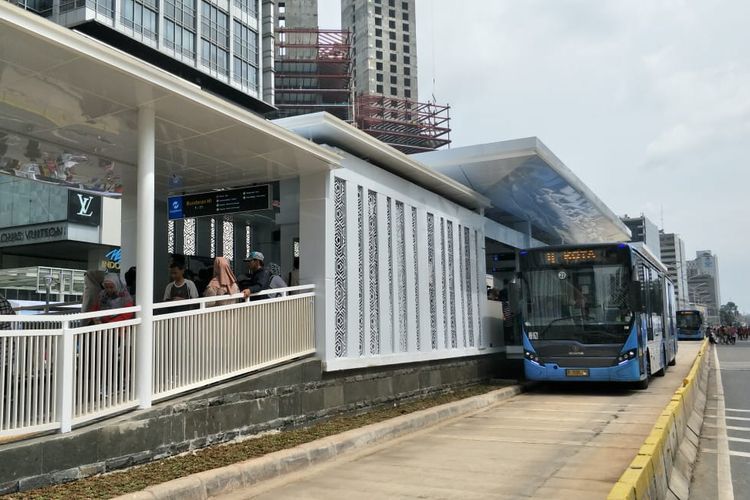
x: 276, y: 280
x: 114, y: 295
x: 92, y: 287
x: 223, y: 283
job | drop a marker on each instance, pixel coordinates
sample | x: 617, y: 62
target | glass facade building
x: 219, y: 38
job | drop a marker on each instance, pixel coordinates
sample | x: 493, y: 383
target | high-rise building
x: 704, y: 286
x: 645, y: 231
x: 385, y: 46
x: 213, y: 44
x: 673, y: 256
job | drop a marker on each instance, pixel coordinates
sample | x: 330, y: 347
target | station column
x: 145, y: 251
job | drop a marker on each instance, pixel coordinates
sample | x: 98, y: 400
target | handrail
x: 203, y: 301
x: 42, y: 318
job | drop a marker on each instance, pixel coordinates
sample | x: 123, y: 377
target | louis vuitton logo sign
x: 84, y: 208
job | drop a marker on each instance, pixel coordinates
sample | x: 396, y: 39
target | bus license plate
x: 577, y: 373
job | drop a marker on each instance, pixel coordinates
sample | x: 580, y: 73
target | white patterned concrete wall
x: 404, y: 269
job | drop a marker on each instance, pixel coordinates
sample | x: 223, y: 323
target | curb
x: 663, y: 466
x: 215, y: 482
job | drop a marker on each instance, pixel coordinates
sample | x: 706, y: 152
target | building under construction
x: 313, y: 72
x: 409, y: 126
x: 376, y: 90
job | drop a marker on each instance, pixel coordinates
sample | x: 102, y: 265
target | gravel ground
x: 137, y: 478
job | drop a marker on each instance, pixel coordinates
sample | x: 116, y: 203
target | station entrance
x: 232, y: 223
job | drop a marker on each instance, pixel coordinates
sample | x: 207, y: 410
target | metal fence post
x: 65, y: 363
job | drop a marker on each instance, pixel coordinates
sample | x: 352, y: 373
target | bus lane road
x: 557, y: 441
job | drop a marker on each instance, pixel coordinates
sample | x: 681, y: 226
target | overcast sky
x: 647, y: 101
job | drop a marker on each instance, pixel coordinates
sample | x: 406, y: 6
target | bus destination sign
x: 247, y: 199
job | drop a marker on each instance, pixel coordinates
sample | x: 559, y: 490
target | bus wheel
x: 663, y: 370
x: 643, y: 384
x: 674, y: 361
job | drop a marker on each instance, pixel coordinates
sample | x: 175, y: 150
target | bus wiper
x: 563, y: 318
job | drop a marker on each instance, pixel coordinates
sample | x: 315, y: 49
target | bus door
x: 653, y: 313
x: 641, y: 315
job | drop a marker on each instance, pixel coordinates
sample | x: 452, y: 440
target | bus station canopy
x: 525, y: 181
x: 78, y: 98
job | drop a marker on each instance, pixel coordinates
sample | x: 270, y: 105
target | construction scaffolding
x: 313, y: 72
x: 409, y: 126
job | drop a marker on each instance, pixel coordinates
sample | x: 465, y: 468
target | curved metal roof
x: 525, y: 181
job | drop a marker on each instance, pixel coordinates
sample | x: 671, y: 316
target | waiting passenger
x: 114, y: 295
x: 6, y: 310
x: 276, y: 280
x: 223, y: 282
x: 258, y: 278
x: 294, y: 273
x: 180, y: 288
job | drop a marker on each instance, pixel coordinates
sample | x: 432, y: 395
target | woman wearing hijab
x: 223, y: 283
x: 114, y: 295
x: 276, y: 280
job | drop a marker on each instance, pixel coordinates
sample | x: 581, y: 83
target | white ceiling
x: 79, y: 96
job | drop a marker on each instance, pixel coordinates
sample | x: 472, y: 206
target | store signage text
x: 33, y: 234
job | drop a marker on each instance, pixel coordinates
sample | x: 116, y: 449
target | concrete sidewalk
x: 214, y: 482
x: 562, y: 442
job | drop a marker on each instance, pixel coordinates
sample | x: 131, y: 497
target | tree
x: 729, y: 313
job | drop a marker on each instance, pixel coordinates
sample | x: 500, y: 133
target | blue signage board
x: 175, y: 207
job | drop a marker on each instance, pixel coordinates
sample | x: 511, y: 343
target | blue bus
x: 690, y: 325
x: 602, y: 312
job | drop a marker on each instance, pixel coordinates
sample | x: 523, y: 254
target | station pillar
x: 146, y: 173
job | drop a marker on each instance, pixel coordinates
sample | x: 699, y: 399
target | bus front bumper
x: 628, y: 371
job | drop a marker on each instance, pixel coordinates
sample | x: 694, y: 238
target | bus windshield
x: 689, y: 320
x: 588, y: 304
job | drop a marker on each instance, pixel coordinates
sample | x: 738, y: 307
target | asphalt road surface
x: 723, y: 467
x: 562, y: 442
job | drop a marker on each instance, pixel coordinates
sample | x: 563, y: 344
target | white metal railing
x: 196, y: 347
x: 104, y: 377
x: 57, y: 371
x: 54, y: 371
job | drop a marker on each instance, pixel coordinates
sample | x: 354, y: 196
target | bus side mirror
x: 634, y: 296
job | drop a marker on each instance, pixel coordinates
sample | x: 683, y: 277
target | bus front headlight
x: 627, y: 356
x: 531, y: 356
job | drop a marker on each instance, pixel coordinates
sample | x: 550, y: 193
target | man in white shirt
x: 179, y: 288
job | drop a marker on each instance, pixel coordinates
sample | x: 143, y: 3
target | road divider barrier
x: 663, y: 467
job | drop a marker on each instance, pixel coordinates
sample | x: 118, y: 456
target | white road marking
x: 739, y: 454
x: 745, y: 419
x: 736, y: 409
x: 724, y: 464
x: 738, y: 440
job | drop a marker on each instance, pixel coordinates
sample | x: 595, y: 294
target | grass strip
x: 137, y: 478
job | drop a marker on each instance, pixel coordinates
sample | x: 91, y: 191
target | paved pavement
x: 562, y: 442
x: 723, y: 467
